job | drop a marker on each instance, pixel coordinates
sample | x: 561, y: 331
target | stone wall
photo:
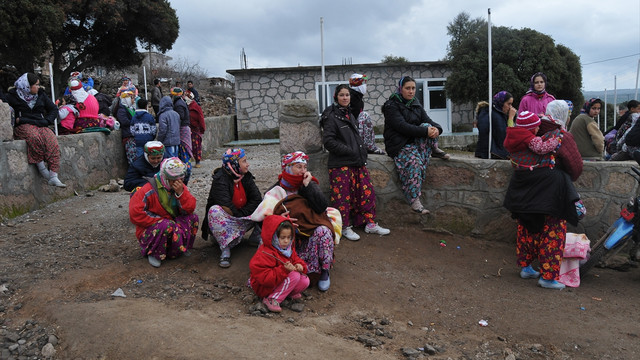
x: 464, y: 194
x: 87, y: 161
x: 258, y: 92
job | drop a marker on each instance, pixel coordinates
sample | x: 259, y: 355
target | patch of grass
x: 14, y: 211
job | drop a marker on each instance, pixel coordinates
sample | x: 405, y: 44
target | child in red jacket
x: 276, y: 269
x: 525, y: 148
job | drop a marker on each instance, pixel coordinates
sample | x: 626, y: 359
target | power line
x: 616, y: 58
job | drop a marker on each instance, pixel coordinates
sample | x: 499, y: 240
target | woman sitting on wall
x: 34, y: 113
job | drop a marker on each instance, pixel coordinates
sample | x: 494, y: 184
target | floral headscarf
x: 586, y: 108
x: 293, y: 158
x: 152, y: 148
x: 231, y: 164
x: 533, y: 77
x: 171, y: 169
x: 500, y: 98
x: 358, y: 82
x: 23, y: 88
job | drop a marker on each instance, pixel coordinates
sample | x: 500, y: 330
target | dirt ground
x: 390, y: 297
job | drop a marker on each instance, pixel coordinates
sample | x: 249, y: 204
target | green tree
x: 394, y: 60
x: 81, y: 34
x: 516, y: 55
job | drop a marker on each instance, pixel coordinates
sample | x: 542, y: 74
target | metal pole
x: 615, y: 101
x: 637, y: 72
x: 325, y: 91
x: 53, y: 97
x: 490, y: 83
x: 144, y: 76
x: 605, y: 110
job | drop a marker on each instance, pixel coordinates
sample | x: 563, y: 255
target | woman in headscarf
x: 87, y: 106
x: 34, y: 113
x: 537, y: 98
x: 585, y: 131
x: 197, y: 125
x: 145, y: 166
x: 502, y: 114
x: 298, y: 195
x: 351, y: 190
x: 409, y: 138
x: 184, y: 149
x: 163, y: 213
x: 357, y: 90
x: 233, y: 197
x: 124, y: 114
x: 542, y: 199
x: 127, y: 85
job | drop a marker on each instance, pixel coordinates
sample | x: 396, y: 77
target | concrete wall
x: 258, y: 92
x: 464, y: 194
x: 87, y: 161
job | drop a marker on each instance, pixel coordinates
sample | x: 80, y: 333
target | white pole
x: 322, y: 75
x: 637, y: 72
x: 615, y: 101
x: 490, y: 83
x: 605, y: 110
x: 144, y: 76
x: 53, y: 97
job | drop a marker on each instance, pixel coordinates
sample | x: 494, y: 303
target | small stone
x: 291, y: 320
x: 501, y: 338
x: 297, y: 307
x: 510, y: 357
x: 410, y: 352
x: 53, y: 340
x: 410, y: 323
x: 22, y: 342
x: 48, y: 350
x: 384, y: 321
x: 13, y: 347
x: 430, y: 349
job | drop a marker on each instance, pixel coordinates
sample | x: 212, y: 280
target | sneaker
x: 197, y: 165
x: 437, y: 153
x: 374, y: 228
x: 325, y: 281
x: 54, y: 181
x: 154, y: 261
x: 416, y: 206
x: 187, y: 253
x: 550, y: 284
x: 528, y: 272
x: 225, y: 258
x: 350, y: 234
x: 272, y: 305
x: 296, y: 296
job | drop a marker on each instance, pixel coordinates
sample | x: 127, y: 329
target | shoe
x: 440, y: 154
x: 550, y: 284
x: 376, y: 151
x: 187, y: 253
x: 374, y: 228
x: 295, y: 296
x: 154, y: 261
x: 416, y: 206
x: 225, y: 258
x: 197, y: 165
x: 325, y: 281
x: 272, y: 305
x: 54, y: 181
x: 350, y: 234
x: 528, y: 272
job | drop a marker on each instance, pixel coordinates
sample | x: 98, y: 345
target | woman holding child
x: 409, y: 138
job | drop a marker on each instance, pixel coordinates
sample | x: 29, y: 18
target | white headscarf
x: 559, y: 111
x: 78, y: 92
x: 358, y: 82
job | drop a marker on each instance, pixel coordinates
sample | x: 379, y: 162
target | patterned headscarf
x: 23, y: 88
x: 558, y: 110
x: 275, y: 241
x: 171, y: 169
x: 570, y: 103
x: 176, y: 91
x: 358, y: 82
x: 293, y: 158
x: 153, y: 148
x: 587, y: 105
x: 231, y: 162
x: 500, y: 98
x: 531, y: 88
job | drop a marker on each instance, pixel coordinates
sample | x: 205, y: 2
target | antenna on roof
x: 243, y: 59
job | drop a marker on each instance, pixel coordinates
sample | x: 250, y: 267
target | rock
x: 11, y: 336
x: 410, y: 352
x: 369, y: 341
x: 430, y: 349
x: 384, y: 321
x: 297, y: 307
x: 13, y: 347
x: 48, y: 350
x: 510, y: 357
x: 53, y: 340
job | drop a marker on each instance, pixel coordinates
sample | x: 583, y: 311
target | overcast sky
x: 282, y: 33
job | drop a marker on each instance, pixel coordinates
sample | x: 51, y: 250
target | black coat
x: 402, y: 124
x: 221, y: 193
x: 357, y: 105
x: 43, y: 114
x: 341, y: 138
x: 498, y: 133
x: 137, y: 172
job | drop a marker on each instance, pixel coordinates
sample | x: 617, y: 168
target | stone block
x: 298, y: 108
x: 589, y: 179
x: 620, y: 183
x: 449, y: 176
x: 6, y: 130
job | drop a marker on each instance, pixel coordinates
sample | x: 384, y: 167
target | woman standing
x: 196, y: 122
x: 35, y: 112
x: 233, y: 197
x: 585, y: 131
x: 409, y: 138
x: 537, y: 98
x: 162, y: 211
x: 502, y: 114
x: 351, y: 189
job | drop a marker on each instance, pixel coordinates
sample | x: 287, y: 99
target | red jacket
x: 145, y: 208
x: 267, y: 272
x: 196, y: 118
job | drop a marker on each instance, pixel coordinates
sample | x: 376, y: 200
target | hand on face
x: 306, y: 179
x: 177, y: 186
